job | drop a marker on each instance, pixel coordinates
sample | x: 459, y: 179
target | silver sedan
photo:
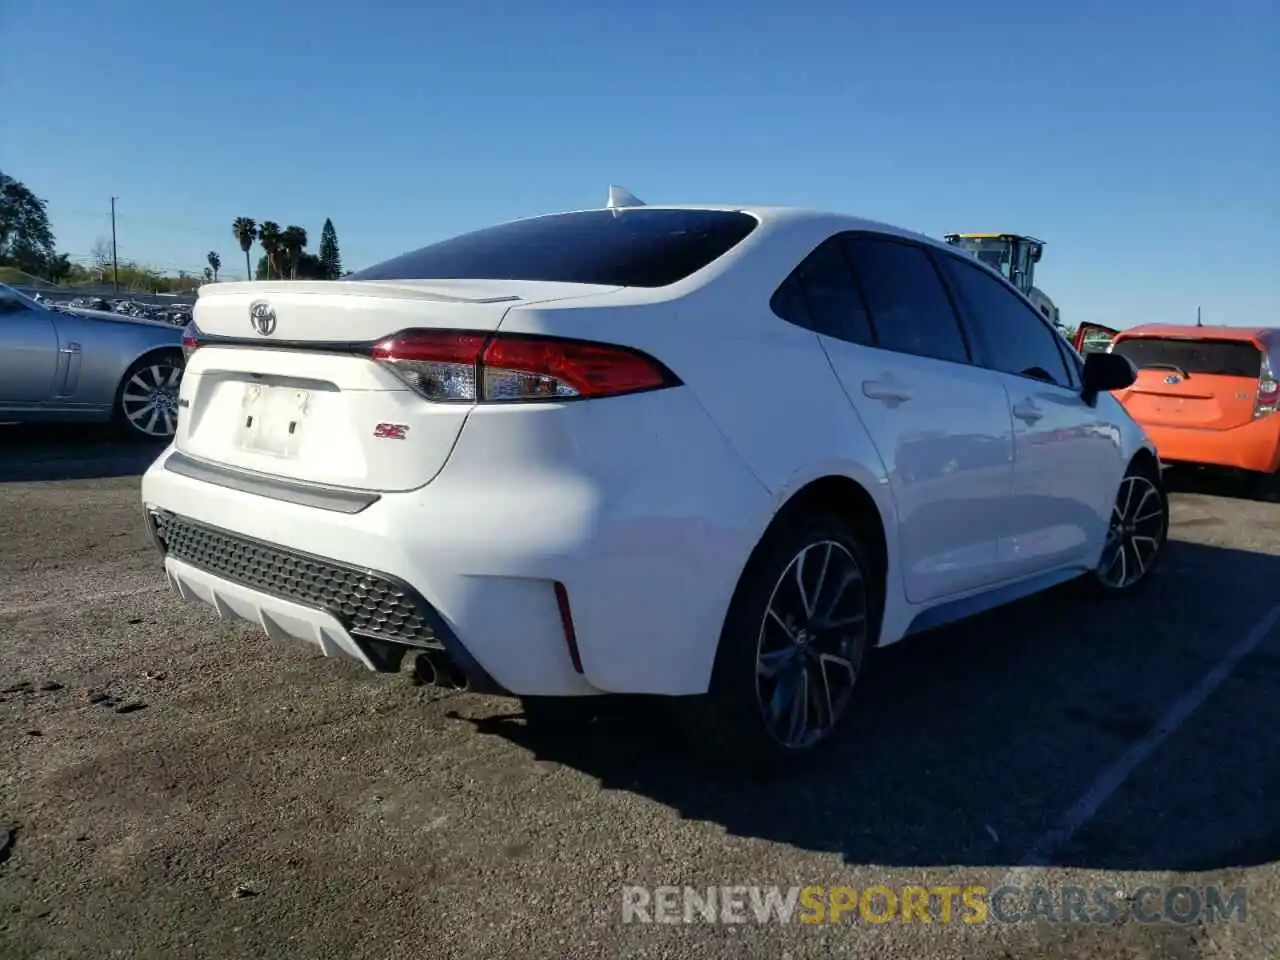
x: 88, y: 366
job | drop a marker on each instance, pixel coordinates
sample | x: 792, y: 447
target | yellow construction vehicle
x: 1014, y: 255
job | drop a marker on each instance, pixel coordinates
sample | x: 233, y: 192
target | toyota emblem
x: 262, y: 317
x: 1171, y: 378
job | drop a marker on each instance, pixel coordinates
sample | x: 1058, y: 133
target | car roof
x: 1185, y: 331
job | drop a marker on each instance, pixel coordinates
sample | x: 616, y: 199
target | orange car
x: 1204, y: 395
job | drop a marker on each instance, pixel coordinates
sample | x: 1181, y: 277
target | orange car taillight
x: 474, y: 367
x: 1268, y: 400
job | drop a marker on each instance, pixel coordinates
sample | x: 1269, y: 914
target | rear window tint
x: 628, y: 248
x: 1231, y: 358
x: 820, y: 295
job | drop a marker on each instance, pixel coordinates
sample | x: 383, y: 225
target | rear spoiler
x: 407, y: 290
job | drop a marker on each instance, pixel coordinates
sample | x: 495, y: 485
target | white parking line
x: 1114, y: 776
x: 24, y: 608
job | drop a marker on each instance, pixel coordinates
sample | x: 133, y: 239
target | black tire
x: 130, y: 417
x: 730, y: 721
x: 1141, y: 480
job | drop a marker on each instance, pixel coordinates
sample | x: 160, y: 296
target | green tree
x: 293, y: 240
x: 329, y: 256
x: 269, y: 237
x: 308, y: 267
x: 311, y: 267
x: 246, y: 231
x: 58, y: 269
x: 26, y: 239
x: 215, y: 264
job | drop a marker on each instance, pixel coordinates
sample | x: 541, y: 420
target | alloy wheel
x: 149, y: 400
x: 1136, y: 533
x: 809, y: 644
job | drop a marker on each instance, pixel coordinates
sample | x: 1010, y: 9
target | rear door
x: 284, y: 385
x: 1202, y: 382
x: 940, y: 424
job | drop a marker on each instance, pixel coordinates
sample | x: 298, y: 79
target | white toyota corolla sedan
x: 712, y: 453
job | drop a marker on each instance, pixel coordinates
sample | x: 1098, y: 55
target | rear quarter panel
x: 766, y: 385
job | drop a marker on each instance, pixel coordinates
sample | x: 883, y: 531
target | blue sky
x: 1141, y: 140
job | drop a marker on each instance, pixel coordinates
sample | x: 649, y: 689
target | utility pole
x: 115, y: 260
x: 1198, y: 323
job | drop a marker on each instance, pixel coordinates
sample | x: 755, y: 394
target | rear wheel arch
x: 844, y: 498
x: 851, y: 502
x: 832, y: 510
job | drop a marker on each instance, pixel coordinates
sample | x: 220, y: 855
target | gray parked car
x: 75, y: 365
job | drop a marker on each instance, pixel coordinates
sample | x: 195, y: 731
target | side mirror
x: 1104, y: 372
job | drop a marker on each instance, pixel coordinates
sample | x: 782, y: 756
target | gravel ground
x: 174, y: 785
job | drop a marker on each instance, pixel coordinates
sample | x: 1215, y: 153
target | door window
x: 1014, y: 337
x: 910, y: 309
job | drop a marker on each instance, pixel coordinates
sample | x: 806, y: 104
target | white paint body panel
x: 645, y: 507
x: 950, y: 486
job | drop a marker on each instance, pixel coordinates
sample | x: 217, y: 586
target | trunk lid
x: 1203, y: 383
x: 282, y: 384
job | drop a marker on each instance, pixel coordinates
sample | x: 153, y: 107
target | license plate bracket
x: 272, y: 419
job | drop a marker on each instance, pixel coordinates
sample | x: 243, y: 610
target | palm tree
x: 269, y: 237
x: 294, y: 241
x: 246, y: 231
x: 215, y: 264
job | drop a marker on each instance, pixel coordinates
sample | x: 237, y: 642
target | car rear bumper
x: 1254, y: 446
x: 363, y: 615
x: 472, y: 569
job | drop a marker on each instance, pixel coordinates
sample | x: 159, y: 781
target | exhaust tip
x: 424, y: 671
x: 434, y: 668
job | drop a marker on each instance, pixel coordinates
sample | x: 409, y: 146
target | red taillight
x: 190, y: 339
x: 466, y: 366
x: 439, y: 364
x: 1268, y: 400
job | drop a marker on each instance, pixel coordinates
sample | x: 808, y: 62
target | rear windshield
x: 628, y: 248
x: 1230, y: 358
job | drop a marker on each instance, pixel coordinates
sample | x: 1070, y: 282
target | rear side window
x: 1228, y: 358
x: 909, y: 305
x: 638, y: 247
x: 820, y: 295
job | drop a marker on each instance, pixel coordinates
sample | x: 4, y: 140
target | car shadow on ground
x: 31, y: 453
x: 969, y: 744
x: 1209, y: 482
